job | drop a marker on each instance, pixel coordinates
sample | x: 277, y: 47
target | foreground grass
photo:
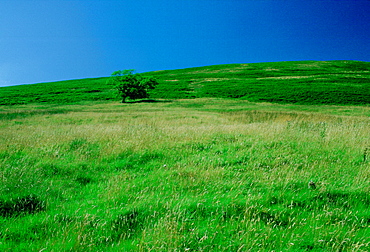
x: 187, y: 175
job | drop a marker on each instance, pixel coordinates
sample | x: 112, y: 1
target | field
x: 300, y: 82
x: 205, y: 174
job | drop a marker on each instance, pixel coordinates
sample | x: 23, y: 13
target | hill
x: 299, y: 82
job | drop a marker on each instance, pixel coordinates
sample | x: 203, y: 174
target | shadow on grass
x: 17, y: 115
x: 26, y: 205
x: 147, y: 101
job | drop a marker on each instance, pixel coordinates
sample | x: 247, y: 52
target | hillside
x: 300, y: 82
x: 204, y: 174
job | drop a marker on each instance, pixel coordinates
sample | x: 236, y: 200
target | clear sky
x: 49, y: 40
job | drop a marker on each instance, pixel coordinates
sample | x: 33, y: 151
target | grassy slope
x: 303, y: 82
x: 187, y: 175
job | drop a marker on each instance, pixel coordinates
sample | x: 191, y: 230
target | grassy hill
x: 205, y: 174
x: 301, y: 82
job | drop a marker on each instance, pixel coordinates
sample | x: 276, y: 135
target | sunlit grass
x: 187, y: 175
x: 340, y: 82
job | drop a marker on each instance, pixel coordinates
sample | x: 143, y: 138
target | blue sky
x: 49, y: 40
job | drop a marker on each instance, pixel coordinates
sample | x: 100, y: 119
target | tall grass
x: 190, y: 175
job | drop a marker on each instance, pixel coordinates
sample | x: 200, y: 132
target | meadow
x: 297, y: 82
x: 205, y: 174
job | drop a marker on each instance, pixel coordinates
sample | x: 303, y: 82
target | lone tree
x: 132, y: 86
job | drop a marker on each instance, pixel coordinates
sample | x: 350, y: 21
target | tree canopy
x: 132, y: 86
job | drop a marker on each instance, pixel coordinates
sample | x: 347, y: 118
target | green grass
x: 185, y: 172
x: 301, y: 82
x: 187, y: 175
x: 60, y: 92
